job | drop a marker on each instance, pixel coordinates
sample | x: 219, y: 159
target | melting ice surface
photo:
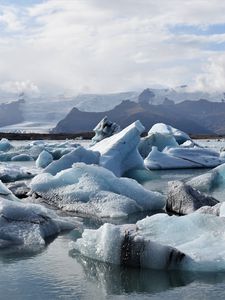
x: 50, y: 273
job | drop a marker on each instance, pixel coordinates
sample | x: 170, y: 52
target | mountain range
x: 170, y: 105
x: 193, y: 117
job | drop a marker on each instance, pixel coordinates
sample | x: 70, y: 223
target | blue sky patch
x: 198, y: 30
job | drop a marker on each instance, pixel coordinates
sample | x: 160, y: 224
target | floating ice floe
x: 162, y: 128
x: 119, y: 152
x: 191, y: 242
x: 179, y: 157
x: 44, y: 159
x: 104, y: 129
x: 95, y: 191
x: 80, y: 154
x: 29, y: 224
x: 10, y: 172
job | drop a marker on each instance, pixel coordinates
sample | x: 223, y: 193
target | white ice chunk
x: 119, y: 152
x: 162, y: 128
x: 44, y: 159
x: 80, y: 154
x: 94, y: 190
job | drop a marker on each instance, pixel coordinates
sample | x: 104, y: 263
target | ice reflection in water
x: 116, y: 280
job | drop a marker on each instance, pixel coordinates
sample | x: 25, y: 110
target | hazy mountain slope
x: 11, y: 113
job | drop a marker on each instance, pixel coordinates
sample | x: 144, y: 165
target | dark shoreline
x: 81, y: 135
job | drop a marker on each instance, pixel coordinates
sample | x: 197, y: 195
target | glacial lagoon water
x: 54, y: 272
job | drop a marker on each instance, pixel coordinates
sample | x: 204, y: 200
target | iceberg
x: 162, y: 128
x: 95, y: 191
x: 29, y: 224
x: 80, y: 154
x: 104, y: 129
x: 44, y: 159
x: 119, y: 152
x: 193, y: 242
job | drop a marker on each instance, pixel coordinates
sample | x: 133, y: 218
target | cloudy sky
x: 108, y: 46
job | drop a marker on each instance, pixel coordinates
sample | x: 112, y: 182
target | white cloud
x: 213, y: 76
x: 18, y: 87
x: 106, y: 46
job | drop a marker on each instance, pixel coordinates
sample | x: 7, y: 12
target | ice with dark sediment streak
x: 184, y: 199
x: 119, y: 153
x: 29, y: 224
x: 96, y: 191
x: 192, y: 242
x: 104, y: 129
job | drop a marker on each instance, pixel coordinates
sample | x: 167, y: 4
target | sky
x: 100, y: 46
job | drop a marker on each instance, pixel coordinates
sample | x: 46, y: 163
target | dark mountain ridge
x: 193, y: 117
